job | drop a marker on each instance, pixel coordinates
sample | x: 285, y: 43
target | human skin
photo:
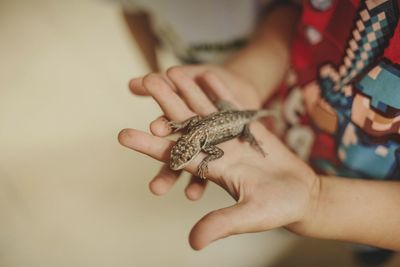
x: 279, y: 190
x: 258, y: 184
x: 270, y: 193
x: 140, y: 28
x: 251, y: 75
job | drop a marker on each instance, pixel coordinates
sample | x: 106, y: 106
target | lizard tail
x: 266, y: 113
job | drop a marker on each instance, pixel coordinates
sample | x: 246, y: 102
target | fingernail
x: 124, y: 135
x: 131, y: 83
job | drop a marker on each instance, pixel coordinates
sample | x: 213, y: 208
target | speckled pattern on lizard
x: 204, y: 133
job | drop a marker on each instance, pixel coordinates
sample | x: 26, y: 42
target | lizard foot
x: 175, y: 126
x: 202, y: 170
x: 257, y: 146
x: 249, y: 137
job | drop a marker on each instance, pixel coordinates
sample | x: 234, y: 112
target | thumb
x: 221, y: 223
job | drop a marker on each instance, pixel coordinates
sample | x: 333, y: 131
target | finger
x: 153, y: 146
x: 171, y: 104
x: 216, y: 87
x: 164, y: 180
x: 156, y: 147
x: 219, y: 224
x: 136, y: 85
x: 137, y: 88
x: 194, y: 70
x: 193, y: 95
x: 160, y: 127
x: 195, y: 189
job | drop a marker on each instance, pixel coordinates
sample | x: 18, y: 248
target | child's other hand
x: 240, y: 88
x: 278, y: 190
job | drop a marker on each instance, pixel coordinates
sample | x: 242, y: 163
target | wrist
x: 305, y: 225
x: 238, y: 69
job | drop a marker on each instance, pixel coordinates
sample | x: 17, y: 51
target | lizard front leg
x: 213, y: 154
x: 249, y: 137
x: 177, y: 126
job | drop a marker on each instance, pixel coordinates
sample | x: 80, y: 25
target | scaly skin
x: 202, y: 134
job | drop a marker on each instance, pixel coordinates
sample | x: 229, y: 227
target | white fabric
x: 204, y: 31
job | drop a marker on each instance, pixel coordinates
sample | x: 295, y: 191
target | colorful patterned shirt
x: 342, y: 100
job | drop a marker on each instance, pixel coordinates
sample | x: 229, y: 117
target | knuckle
x: 152, y: 80
x: 209, y: 75
x: 175, y: 71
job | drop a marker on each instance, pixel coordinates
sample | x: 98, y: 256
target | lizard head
x: 182, y: 153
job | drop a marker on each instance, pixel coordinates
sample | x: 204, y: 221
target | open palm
x: 270, y: 192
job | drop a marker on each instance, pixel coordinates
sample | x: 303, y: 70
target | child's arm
x: 253, y: 73
x: 360, y: 211
x: 140, y: 27
x: 279, y: 190
x: 265, y: 60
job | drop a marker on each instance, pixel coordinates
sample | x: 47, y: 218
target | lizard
x: 202, y: 134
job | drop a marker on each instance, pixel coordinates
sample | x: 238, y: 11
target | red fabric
x: 301, y: 54
x: 321, y: 39
x: 392, y: 52
x: 306, y: 58
x: 319, y: 19
x: 324, y: 148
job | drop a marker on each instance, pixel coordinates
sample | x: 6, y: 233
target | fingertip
x: 158, y: 187
x: 164, y: 180
x: 159, y: 127
x: 219, y: 224
x: 124, y: 135
x: 196, y: 239
x: 202, y: 233
x: 195, y: 246
x: 194, y: 242
x: 136, y: 86
x: 195, y: 189
x: 192, y: 194
x: 131, y: 83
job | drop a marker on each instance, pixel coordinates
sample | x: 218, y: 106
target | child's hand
x: 239, y: 87
x: 278, y: 190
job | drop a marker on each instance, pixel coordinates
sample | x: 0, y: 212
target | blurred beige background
x: 70, y: 195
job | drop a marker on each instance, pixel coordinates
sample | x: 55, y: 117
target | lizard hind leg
x: 214, y: 153
x: 249, y: 137
x: 178, y: 126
